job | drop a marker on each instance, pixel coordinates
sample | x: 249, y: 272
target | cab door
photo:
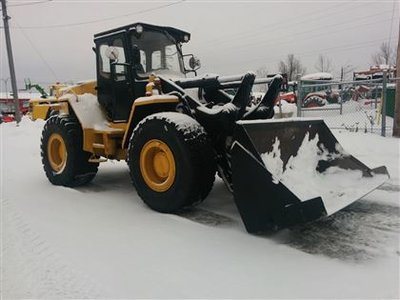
x: 114, y: 78
x: 121, y: 80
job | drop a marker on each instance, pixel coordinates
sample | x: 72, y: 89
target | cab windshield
x: 159, y: 54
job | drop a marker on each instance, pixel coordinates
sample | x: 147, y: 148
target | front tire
x: 171, y: 162
x: 64, y: 161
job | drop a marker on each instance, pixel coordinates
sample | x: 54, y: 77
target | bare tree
x: 261, y: 72
x: 292, y: 67
x: 385, y: 55
x: 345, y: 71
x: 323, y: 64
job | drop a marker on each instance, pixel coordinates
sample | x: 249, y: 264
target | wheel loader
x: 177, y: 132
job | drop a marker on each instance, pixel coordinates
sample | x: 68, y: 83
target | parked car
x: 5, y: 118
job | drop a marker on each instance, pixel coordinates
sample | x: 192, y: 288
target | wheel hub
x: 57, y: 152
x: 157, y: 165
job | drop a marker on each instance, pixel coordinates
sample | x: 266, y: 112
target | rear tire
x: 171, y: 162
x: 64, y: 161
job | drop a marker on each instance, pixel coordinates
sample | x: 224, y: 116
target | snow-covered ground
x: 363, y: 115
x: 101, y: 241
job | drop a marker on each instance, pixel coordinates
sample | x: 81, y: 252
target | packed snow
x: 317, y: 76
x: 285, y: 110
x: 336, y: 186
x: 216, y: 109
x: 101, y: 241
x: 88, y: 110
x: 182, y: 122
x: 363, y: 115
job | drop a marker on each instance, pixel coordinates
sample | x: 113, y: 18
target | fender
x: 145, y: 106
x: 40, y: 108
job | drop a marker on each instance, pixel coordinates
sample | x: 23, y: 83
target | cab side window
x: 156, y: 60
x: 118, y: 46
x: 104, y: 62
x: 143, y: 60
x: 107, y: 51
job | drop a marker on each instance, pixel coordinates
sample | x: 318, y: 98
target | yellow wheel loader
x: 176, y: 133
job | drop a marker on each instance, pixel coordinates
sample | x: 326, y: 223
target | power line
x: 344, y: 47
x: 103, y: 19
x: 278, y: 41
x: 288, y: 1
x: 29, y: 3
x: 268, y: 26
x: 223, y: 1
x: 255, y: 32
x: 37, y: 51
x: 324, y: 33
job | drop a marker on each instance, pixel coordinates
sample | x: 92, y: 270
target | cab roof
x: 174, y: 32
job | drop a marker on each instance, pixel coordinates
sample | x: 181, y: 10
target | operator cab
x: 126, y: 56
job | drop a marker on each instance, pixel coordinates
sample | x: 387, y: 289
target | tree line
x: 294, y: 68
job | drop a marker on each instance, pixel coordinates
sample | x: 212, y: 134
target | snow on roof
x: 318, y: 76
x: 384, y: 67
x: 361, y: 76
x: 21, y: 95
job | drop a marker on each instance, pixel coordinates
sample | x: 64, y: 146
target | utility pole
x: 6, y: 85
x: 11, y: 62
x: 396, y: 120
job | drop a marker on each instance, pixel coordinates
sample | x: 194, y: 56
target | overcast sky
x: 52, y: 40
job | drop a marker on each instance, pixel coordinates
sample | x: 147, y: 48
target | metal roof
x: 174, y: 32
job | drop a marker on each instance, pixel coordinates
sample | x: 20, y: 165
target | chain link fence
x: 360, y: 105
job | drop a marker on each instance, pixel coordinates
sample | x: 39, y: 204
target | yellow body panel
x: 104, y: 142
x: 39, y: 108
x: 80, y: 89
x: 55, y: 89
x: 37, y: 111
x: 157, y: 99
x: 108, y: 140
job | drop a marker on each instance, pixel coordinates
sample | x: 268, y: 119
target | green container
x: 390, y: 96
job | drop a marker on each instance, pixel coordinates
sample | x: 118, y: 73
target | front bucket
x: 287, y: 172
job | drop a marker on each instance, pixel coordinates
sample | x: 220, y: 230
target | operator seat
x: 137, y: 65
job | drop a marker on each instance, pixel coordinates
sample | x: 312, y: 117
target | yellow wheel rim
x: 157, y: 165
x: 56, y: 152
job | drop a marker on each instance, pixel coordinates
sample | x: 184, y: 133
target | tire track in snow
x: 389, y: 187
x: 31, y: 269
x: 204, y: 217
x: 365, y: 230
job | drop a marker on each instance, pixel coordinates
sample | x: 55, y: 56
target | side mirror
x: 192, y: 62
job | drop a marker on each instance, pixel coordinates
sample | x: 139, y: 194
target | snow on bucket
x: 336, y: 186
x: 299, y: 172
